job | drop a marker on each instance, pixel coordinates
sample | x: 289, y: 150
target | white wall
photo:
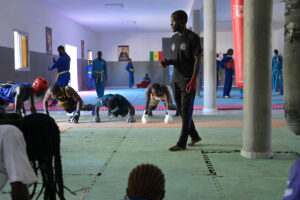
x: 224, y: 41
x: 140, y: 44
x: 31, y: 17
x: 278, y: 40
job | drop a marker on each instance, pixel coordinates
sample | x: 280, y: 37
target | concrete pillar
x: 196, y: 29
x: 209, y: 8
x: 257, y: 79
x: 291, y: 67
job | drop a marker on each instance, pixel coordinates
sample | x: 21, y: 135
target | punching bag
x: 237, y: 13
x: 291, y: 66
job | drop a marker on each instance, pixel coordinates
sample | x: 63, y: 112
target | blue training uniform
x: 121, y: 109
x: 62, y: 64
x: 171, y: 69
x: 88, y: 73
x: 130, y: 70
x: 276, y: 72
x: 228, y: 64
x: 7, y: 95
x: 99, y: 74
x: 147, y: 79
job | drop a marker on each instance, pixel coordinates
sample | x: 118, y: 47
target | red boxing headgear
x: 39, y: 84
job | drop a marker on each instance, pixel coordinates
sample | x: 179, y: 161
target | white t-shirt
x: 14, y: 163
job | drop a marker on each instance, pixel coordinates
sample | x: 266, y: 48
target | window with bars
x: 21, y: 51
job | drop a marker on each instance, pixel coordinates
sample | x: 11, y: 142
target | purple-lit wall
x: 39, y: 62
x: 31, y: 17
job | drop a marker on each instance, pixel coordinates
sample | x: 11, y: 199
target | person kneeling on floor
x: 117, y: 105
x: 68, y: 99
x: 145, y: 82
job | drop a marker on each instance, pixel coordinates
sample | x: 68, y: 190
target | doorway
x: 72, y: 52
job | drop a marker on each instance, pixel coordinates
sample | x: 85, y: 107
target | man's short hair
x: 55, y: 89
x: 60, y: 48
x: 276, y: 51
x: 229, y: 51
x: 180, y: 15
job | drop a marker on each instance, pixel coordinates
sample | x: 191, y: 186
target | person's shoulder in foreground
x: 14, y: 165
x: 292, y: 192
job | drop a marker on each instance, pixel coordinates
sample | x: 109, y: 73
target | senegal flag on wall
x: 155, y: 55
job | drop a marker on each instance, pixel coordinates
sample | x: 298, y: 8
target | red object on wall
x: 237, y: 12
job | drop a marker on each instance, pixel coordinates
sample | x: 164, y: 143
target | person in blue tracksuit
x: 228, y: 63
x: 117, y: 105
x: 88, y: 73
x: 277, y: 71
x: 62, y: 65
x: 130, y: 70
x: 99, y: 74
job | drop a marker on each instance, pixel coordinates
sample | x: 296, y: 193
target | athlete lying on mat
x: 158, y: 92
x: 117, y: 105
x: 68, y: 99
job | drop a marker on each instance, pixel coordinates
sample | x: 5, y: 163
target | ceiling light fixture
x: 114, y: 5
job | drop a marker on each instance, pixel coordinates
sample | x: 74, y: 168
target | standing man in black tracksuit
x: 185, y: 51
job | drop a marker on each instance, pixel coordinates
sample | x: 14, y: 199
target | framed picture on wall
x: 48, y: 40
x: 123, y: 52
x: 82, y: 49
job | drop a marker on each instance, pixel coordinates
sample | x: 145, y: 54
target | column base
x: 256, y: 155
x: 209, y: 110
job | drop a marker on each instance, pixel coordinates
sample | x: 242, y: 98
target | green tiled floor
x: 97, y: 162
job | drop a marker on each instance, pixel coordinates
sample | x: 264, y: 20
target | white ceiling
x: 141, y: 15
